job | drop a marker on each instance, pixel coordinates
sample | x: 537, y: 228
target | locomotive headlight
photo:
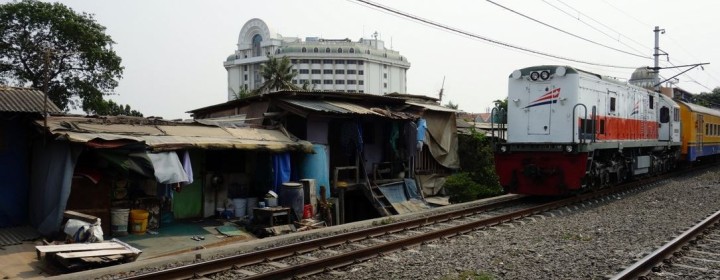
x: 560, y: 71
x: 503, y: 149
x: 534, y: 76
x: 568, y: 148
x: 517, y: 74
x: 544, y: 75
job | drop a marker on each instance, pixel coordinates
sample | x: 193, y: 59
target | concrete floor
x: 20, y: 261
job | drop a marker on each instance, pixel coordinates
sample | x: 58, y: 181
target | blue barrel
x: 293, y: 196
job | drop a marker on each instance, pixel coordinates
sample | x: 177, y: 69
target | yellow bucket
x: 138, y: 221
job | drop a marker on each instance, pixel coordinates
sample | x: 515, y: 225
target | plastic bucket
x: 240, y: 206
x: 138, y: 221
x: 119, y: 221
x: 293, y: 197
x: 252, y: 202
x: 271, y: 202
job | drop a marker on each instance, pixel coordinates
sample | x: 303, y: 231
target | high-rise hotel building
x: 323, y: 64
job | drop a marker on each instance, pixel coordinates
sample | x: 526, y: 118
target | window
x: 327, y: 49
x: 328, y: 82
x: 316, y: 82
x: 294, y: 71
x: 339, y: 71
x: 327, y: 71
x: 385, y: 75
x: 612, y: 104
x: 352, y: 61
x: 367, y: 51
x: 245, y: 77
x: 339, y: 61
x: 361, y: 82
x: 303, y: 81
x: 315, y: 71
x: 327, y: 61
x: 676, y: 114
x: 652, y: 101
x: 339, y: 50
x: 707, y: 128
x: 315, y: 61
x: 351, y: 71
x: 294, y: 61
x: 360, y: 62
x: 303, y: 49
x: 351, y: 82
x: 361, y: 91
x: 245, y: 67
x: 316, y: 50
x: 339, y: 82
x: 384, y: 66
x: 350, y: 90
x: 256, y: 40
x: 385, y: 85
x: 294, y: 81
x: 304, y: 71
x: 361, y: 72
x: 277, y: 51
x: 352, y: 50
x: 304, y: 61
x: 664, y: 115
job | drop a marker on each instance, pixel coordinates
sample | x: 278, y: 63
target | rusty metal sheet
x: 433, y: 107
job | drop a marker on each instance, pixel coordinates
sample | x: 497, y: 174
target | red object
x: 307, y: 211
x: 541, y: 173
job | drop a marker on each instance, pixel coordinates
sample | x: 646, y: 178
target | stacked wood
x: 78, y: 256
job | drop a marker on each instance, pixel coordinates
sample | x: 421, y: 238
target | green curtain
x: 188, y: 202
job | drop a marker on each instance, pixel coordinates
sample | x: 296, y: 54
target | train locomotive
x: 570, y: 130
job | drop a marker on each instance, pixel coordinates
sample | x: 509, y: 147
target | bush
x: 477, y: 178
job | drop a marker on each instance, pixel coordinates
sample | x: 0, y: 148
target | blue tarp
x: 281, y: 170
x: 14, y: 174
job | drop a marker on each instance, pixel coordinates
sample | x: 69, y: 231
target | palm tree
x: 277, y: 74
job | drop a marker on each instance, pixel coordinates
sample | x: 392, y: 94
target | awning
x: 433, y: 107
x: 173, y: 136
x: 303, y: 106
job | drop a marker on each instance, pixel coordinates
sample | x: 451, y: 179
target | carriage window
x: 612, y: 104
x: 652, y: 101
x: 664, y: 115
x: 707, y: 129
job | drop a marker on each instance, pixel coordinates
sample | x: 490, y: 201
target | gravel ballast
x: 592, y: 242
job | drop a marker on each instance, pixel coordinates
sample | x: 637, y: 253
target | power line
x: 475, y: 36
x: 566, y: 32
x: 598, y: 22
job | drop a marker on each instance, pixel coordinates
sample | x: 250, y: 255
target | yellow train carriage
x: 700, y: 131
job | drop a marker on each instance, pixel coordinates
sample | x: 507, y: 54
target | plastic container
x: 138, y: 221
x: 119, y: 221
x: 219, y: 211
x: 271, y: 202
x: 293, y: 196
x: 307, y: 211
x: 252, y: 202
x: 240, y: 207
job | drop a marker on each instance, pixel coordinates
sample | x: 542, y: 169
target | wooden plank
x: 78, y: 247
x: 85, y: 254
x: 80, y: 216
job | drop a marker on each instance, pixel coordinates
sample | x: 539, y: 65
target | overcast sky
x: 173, y: 51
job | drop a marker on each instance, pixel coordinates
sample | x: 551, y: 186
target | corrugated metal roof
x: 335, y: 107
x: 25, y: 100
x: 164, y: 136
x: 433, y: 107
x: 16, y: 235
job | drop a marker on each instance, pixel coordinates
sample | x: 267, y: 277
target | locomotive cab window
x: 652, y: 101
x: 612, y: 104
x: 664, y: 115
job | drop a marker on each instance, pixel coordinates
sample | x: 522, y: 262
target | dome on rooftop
x: 642, y: 77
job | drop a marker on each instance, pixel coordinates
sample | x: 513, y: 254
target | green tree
x: 110, y: 108
x: 452, y: 105
x: 500, y: 111
x: 708, y: 99
x: 277, y: 74
x: 49, y: 46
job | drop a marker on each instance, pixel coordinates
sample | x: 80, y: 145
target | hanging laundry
x: 187, y: 166
x: 168, y: 169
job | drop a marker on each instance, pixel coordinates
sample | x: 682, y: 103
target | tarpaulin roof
x: 162, y: 135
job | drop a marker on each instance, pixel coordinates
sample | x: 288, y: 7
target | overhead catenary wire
x: 598, y: 29
x: 475, y: 36
x: 564, y: 31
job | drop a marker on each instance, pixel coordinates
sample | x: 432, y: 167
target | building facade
x: 365, y: 66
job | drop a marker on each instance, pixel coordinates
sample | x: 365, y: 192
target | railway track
x: 694, y: 254
x: 332, y: 252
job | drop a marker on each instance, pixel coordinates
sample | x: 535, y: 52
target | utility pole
x: 656, y: 68
x: 46, y: 83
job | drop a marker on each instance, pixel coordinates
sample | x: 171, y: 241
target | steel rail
x: 256, y: 257
x: 645, y: 266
